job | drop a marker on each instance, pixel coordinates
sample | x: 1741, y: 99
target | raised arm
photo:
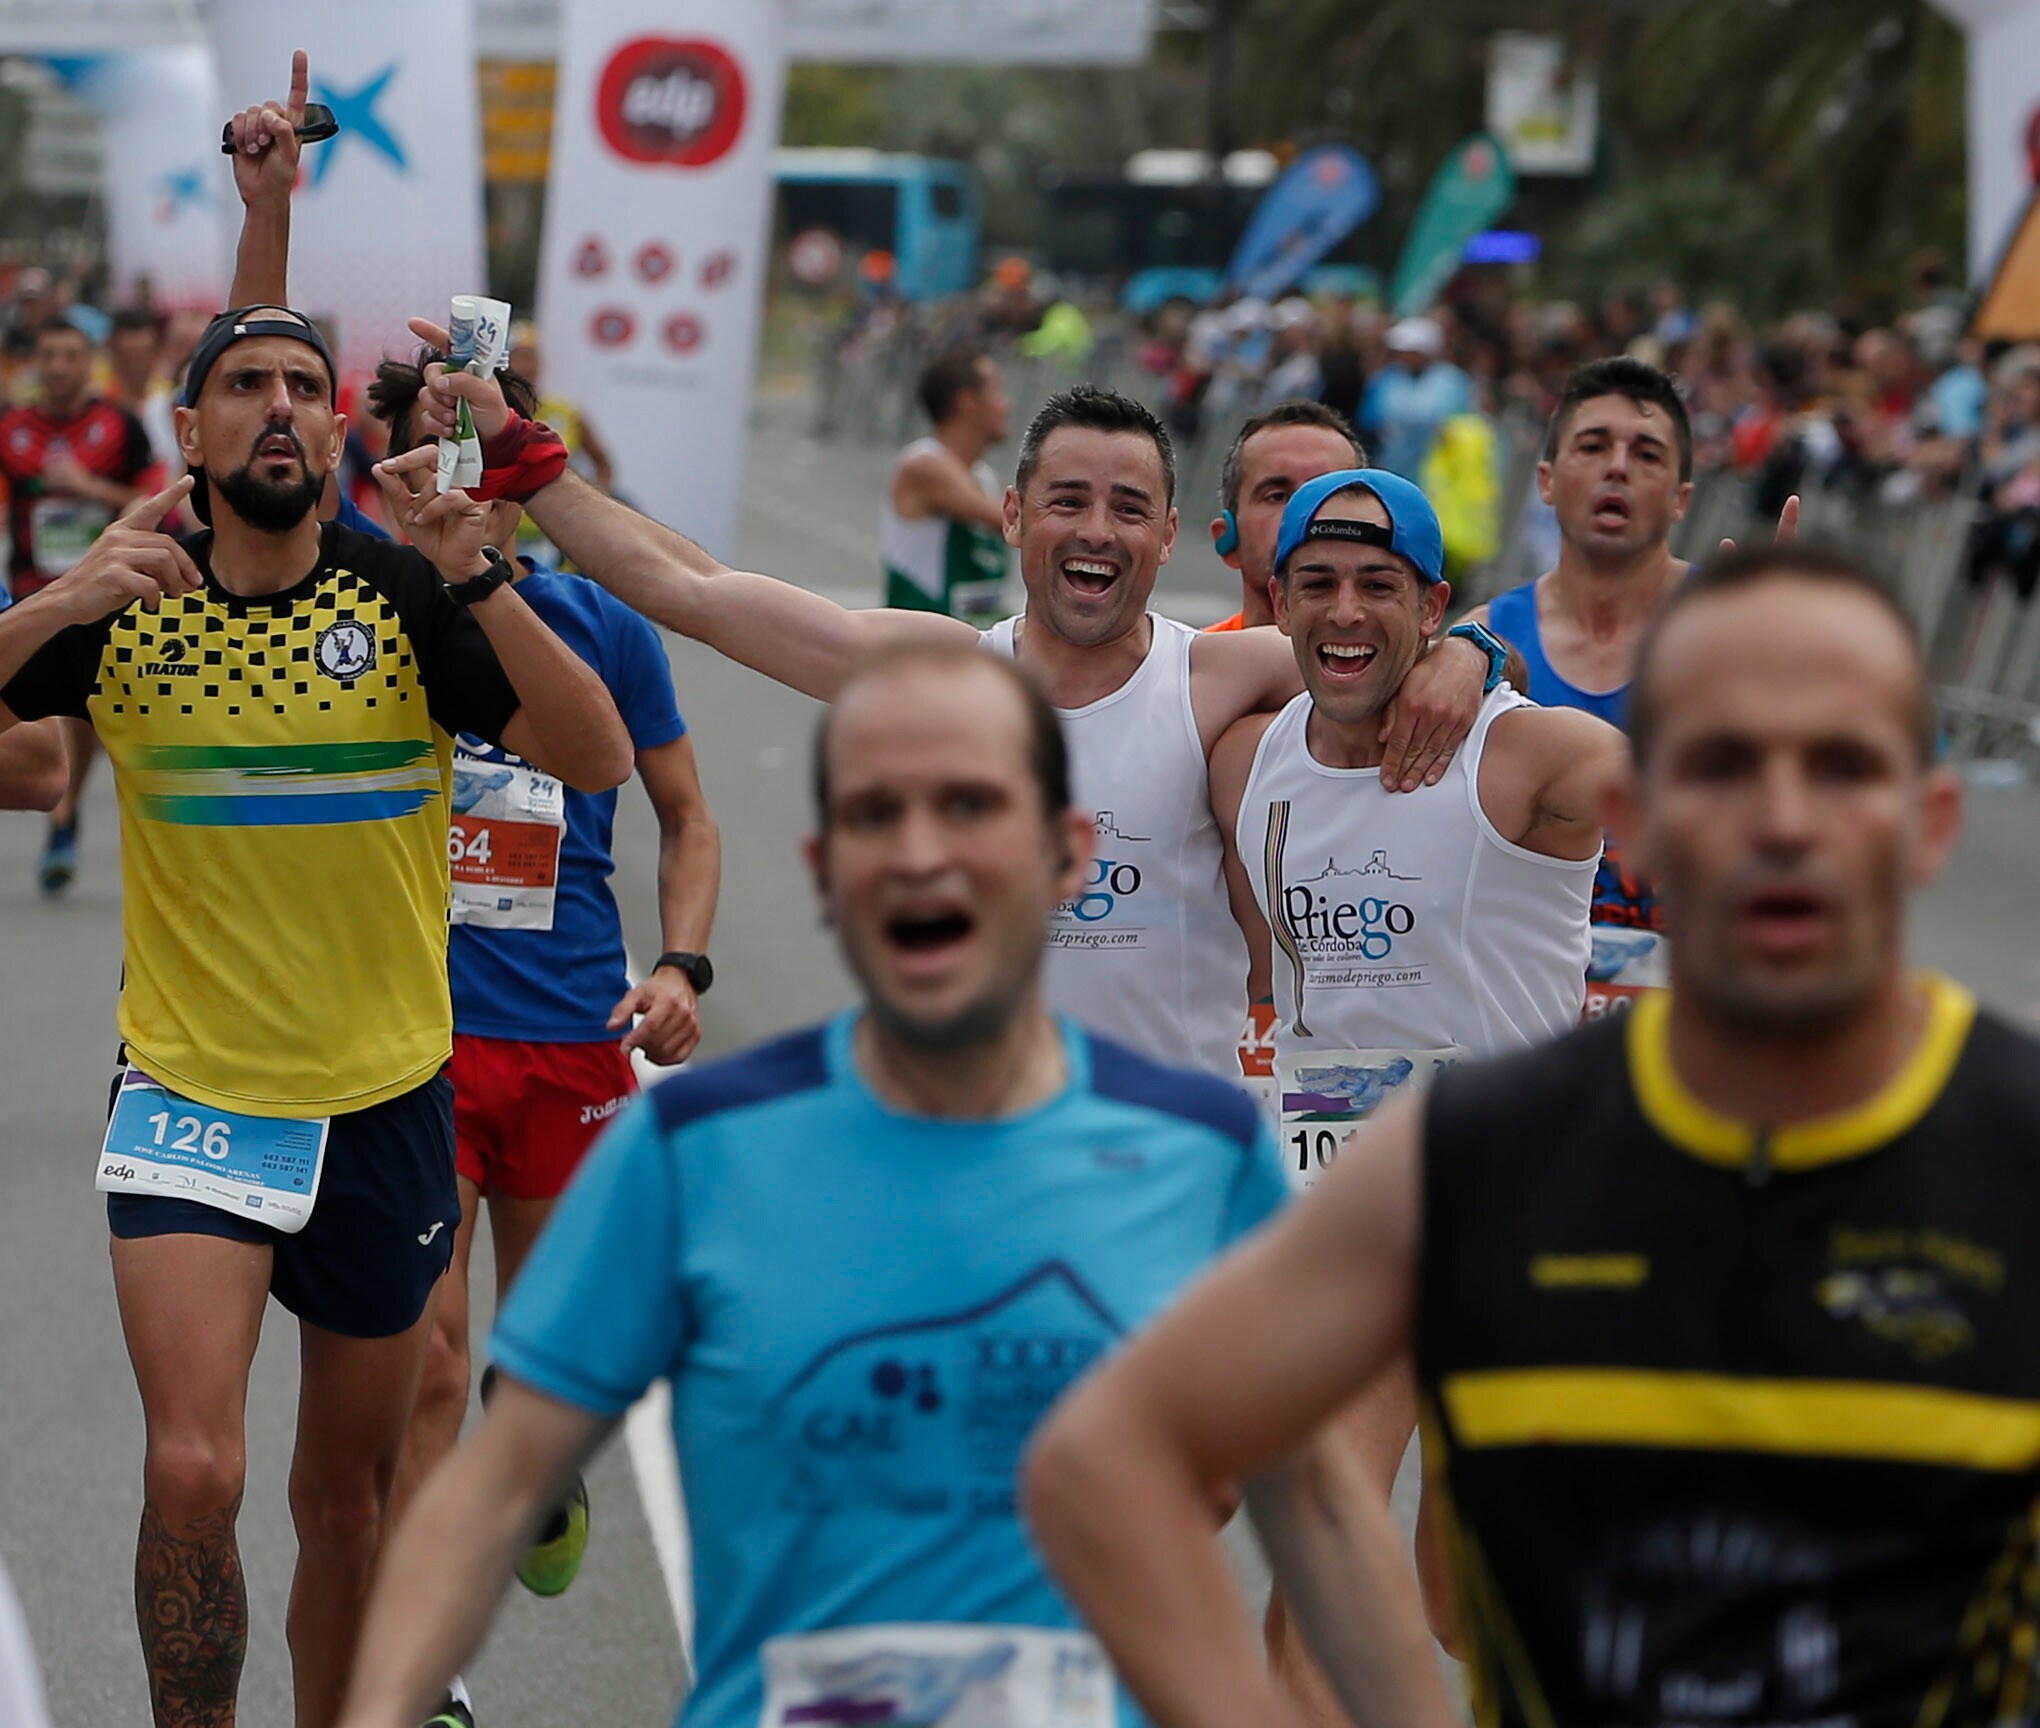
x: 266, y: 151
x: 795, y: 637
x: 1231, y: 1383
x: 566, y: 720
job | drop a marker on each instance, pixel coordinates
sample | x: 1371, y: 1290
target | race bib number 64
x: 503, y: 847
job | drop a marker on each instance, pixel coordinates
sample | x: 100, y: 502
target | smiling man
x: 1720, y: 1307
x: 1145, y: 950
x: 1392, y: 937
x: 989, y: 1197
x: 1396, y: 935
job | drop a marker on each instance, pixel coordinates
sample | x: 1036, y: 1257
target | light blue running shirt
x: 864, y: 1315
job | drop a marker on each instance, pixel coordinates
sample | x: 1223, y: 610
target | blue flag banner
x: 1327, y: 193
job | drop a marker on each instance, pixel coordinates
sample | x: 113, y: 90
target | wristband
x: 1496, y: 650
x: 523, y: 458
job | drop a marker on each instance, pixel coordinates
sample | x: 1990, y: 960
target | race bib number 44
x: 261, y: 1167
x: 503, y: 848
x: 954, y: 1676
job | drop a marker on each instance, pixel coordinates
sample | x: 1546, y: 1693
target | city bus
x: 924, y: 211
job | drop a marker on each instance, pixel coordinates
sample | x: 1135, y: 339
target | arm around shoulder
x: 1232, y: 766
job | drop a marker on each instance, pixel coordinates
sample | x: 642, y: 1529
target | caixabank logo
x: 671, y: 102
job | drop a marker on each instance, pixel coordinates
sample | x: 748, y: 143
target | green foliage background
x: 1779, y: 150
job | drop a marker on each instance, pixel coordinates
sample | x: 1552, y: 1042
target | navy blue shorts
x: 380, y: 1234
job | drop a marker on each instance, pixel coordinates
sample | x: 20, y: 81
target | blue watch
x: 1496, y: 650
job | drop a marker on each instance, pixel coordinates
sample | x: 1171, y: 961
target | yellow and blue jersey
x: 283, y: 764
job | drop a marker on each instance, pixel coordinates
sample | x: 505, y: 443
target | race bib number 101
x: 1326, y: 1094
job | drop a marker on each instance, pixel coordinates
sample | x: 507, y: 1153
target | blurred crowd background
x: 1765, y: 199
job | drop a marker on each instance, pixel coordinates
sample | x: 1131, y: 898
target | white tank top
x: 1149, y: 953
x: 1407, y: 930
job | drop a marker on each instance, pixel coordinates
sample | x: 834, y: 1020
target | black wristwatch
x: 480, y: 587
x: 695, y: 967
x: 1488, y: 643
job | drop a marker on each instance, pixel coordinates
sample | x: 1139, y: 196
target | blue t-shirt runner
x: 536, y: 958
x: 864, y: 1314
x: 537, y: 950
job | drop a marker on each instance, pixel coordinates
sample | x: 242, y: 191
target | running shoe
x: 452, y: 1714
x: 59, y: 860
x: 554, y: 1560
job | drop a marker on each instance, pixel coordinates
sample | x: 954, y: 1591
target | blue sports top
x: 1514, y: 618
x: 1628, y: 922
x: 553, y: 968
x: 865, y: 1313
x: 351, y: 515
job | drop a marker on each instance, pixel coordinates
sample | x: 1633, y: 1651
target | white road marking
x: 648, y: 1437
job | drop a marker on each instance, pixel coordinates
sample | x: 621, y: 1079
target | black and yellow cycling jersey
x: 1736, y: 1428
x: 283, y: 763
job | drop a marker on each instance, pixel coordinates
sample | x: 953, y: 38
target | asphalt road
x: 70, y: 1428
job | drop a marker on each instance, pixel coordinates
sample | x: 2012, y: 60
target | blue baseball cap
x: 1413, y: 532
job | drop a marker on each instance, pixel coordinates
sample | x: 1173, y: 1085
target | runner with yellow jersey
x: 278, y: 698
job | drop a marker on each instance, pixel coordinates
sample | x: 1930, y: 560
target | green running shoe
x: 554, y: 1560
x: 452, y: 1714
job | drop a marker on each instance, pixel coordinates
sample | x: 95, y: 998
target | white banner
x: 658, y: 216
x: 388, y: 219
x: 167, y: 186
x: 2004, y: 119
x: 973, y: 32
x: 1542, y: 106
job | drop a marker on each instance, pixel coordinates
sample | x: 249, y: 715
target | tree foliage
x: 1782, y: 148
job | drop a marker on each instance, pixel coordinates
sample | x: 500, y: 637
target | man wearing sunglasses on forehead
x: 278, y: 697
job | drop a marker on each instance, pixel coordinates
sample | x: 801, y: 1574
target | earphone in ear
x: 1228, y: 541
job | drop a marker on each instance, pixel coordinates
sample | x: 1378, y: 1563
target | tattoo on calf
x: 192, y: 1604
